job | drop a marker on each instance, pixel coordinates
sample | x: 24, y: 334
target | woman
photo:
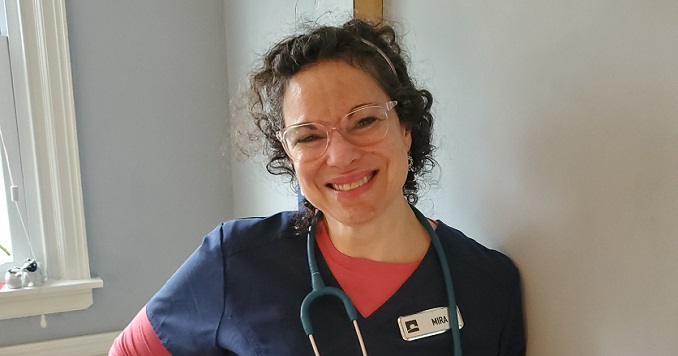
x: 342, y: 117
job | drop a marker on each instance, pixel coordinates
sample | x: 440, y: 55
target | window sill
x: 53, y: 297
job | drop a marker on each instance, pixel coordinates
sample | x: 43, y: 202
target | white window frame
x: 41, y: 72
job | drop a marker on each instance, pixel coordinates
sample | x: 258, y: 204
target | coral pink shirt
x: 138, y: 339
x: 368, y: 283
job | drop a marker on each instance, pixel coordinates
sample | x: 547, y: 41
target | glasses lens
x: 305, y: 141
x: 366, y: 126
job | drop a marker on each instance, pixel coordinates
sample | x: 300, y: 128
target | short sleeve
x: 186, y: 311
x: 138, y: 339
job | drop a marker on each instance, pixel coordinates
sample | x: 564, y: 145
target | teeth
x: 351, y: 186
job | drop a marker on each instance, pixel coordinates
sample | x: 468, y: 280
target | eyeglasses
x: 362, y: 127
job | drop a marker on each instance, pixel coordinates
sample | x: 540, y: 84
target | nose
x: 340, y: 152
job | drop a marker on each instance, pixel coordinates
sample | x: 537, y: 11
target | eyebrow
x: 360, y: 106
x: 350, y: 111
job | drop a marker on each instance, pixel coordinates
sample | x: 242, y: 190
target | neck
x: 394, y: 236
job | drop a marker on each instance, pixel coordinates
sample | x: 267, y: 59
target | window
x: 10, y: 171
x: 3, y: 19
x: 5, y: 240
x: 45, y: 126
x: 5, y: 237
x: 10, y: 159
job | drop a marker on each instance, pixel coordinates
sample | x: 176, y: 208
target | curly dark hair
x: 354, y: 42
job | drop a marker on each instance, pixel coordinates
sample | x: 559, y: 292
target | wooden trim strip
x: 372, y: 10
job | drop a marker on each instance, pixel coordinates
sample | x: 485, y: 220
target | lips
x: 352, y: 185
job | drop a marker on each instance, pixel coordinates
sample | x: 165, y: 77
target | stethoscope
x: 320, y: 290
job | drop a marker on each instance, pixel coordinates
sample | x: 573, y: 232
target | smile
x: 353, y: 185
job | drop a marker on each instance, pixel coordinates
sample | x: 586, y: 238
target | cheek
x: 298, y: 172
x: 304, y: 174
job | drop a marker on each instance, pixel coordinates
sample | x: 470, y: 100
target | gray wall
x: 151, y: 102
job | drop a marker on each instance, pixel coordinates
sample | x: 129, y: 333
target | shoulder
x: 467, y: 253
x: 489, y: 291
x: 235, y: 236
x: 186, y: 313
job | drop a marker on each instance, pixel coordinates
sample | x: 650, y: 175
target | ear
x: 407, y: 135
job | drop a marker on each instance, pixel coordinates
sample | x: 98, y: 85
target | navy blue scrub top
x: 241, y: 291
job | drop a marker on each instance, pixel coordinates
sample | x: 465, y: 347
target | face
x: 351, y: 184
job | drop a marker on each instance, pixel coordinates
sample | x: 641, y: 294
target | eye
x: 305, y: 134
x: 365, y: 122
x: 307, y: 138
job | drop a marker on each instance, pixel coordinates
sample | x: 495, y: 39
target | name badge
x: 427, y: 323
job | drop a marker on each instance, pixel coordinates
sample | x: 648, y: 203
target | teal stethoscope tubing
x: 319, y: 288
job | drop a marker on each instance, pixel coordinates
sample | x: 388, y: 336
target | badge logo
x: 411, y: 326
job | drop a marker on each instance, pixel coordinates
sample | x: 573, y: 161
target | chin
x: 351, y: 215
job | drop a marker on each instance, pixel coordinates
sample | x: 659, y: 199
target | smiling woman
x: 353, y: 181
x: 341, y: 116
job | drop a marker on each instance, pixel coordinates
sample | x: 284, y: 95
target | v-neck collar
x: 405, y: 300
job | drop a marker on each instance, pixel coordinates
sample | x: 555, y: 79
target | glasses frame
x: 387, y: 106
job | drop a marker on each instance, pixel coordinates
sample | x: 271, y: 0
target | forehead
x: 328, y: 90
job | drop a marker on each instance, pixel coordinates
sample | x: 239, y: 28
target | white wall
x: 557, y: 124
